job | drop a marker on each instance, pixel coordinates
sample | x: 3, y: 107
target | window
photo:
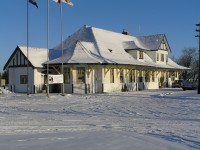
x: 140, y: 78
x: 141, y: 55
x: 80, y: 75
x: 24, y: 61
x: 44, y: 79
x: 147, y: 77
x: 23, y: 79
x: 121, y: 76
x: 153, y: 76
x: 131, y: 76
x: 13, y: 62
x: 20, y: 57
x: 157, y: 56
x: 166, y: 57
x: 162, y: 57
x: 17, y: 58
x: 112, y: 75
x: 176, y: 74
x: 67, y: 75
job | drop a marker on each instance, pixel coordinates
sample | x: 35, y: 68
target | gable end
x: 19, y: 62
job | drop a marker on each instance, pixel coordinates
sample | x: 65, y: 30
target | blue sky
x: 174, y: 18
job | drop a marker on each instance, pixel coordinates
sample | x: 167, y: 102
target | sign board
x: 55, y: 79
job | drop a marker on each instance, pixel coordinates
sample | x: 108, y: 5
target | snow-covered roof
x: 100, y: 45
x: 94, y: 45
x: 90, y: 45
x: 82, y: 54
x: 144, y: 42
x: 175, y: 65
x: 36, y: 56
x: 170, y: 64
x: 151, y: 42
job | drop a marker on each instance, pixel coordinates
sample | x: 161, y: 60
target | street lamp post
x: 198, y: 30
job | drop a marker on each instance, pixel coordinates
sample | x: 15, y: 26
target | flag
x: 33, y: 2
x: 64, y: 1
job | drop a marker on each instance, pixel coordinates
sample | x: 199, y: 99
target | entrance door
x: 161, y: 82
x: 98, y: 80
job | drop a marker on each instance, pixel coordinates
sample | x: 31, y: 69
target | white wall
x: 38, y: 80
x: 133, y: 53
x: 151, y: 54
x: 151, y: 85
x: 162, y: 52
x: 112, y: 87
x: 116, y: 86
x: 14, y: 79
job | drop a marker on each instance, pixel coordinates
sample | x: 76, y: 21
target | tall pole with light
x: 62, y: 68
x: 198, y: 30
x: 27, y: 47
x: 47, y: 48
x: 28, y: 78
x: 61, y: 26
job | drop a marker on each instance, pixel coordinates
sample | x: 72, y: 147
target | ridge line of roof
x: 161, y: 34
x: 88, y: 52
x: 31, y: 47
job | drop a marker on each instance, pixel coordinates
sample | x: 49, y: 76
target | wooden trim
x: 72, y: 71
x: 90, y: 69
x: 56, y: 69
x: 12, y: 56
x: 127, y: 71
x: 118, y: 70
x: 157, y: 72
x: 106, y: 69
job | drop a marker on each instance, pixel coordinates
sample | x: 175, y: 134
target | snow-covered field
x: 167, y: 119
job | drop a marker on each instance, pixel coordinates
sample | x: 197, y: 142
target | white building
x: 96, y: 61
x: 17, y: 69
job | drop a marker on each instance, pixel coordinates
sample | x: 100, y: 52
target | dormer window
x: 162, y: 57
x: 141, y: 55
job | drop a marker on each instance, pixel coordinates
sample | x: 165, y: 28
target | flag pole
x: 27, y: 47
x: 62, y: 70
x: 47, y: 48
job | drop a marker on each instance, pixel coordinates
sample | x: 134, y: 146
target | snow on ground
x: 167, y: 119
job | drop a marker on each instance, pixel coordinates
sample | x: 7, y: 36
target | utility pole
x: 198, y: 30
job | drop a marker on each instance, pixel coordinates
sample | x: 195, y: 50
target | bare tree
x: 173, y: 58
x: 189, y: 58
